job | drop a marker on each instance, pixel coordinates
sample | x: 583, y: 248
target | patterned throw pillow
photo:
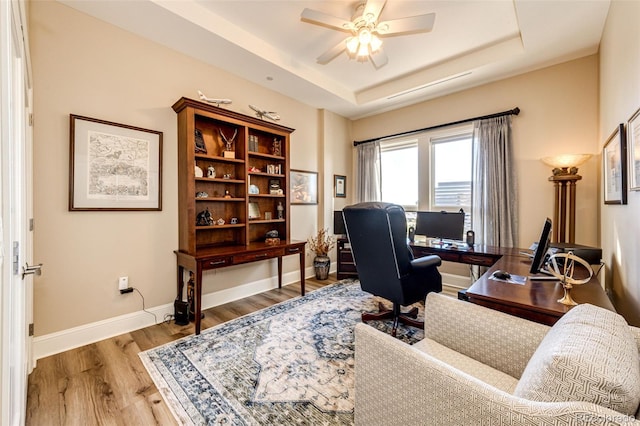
x: 588, y: 355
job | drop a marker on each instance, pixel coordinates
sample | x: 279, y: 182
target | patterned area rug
x: 291, y: 363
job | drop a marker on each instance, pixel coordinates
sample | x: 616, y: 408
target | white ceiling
x: 472, y: 43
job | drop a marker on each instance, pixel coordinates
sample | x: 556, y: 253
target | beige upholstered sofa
x: 479, y: 366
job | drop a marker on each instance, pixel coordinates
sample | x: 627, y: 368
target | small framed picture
x: 254, y: 211
x: 614, y: 157
x: 114, y: 166
x: 340, y: 186
x: 633, y: 140
x: 303, y: 187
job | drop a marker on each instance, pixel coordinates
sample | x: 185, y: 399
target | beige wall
x: 559, y: 114
x: 619, y: 99
x: 84, y: 66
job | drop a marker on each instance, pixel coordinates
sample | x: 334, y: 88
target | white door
x: 15, y: 190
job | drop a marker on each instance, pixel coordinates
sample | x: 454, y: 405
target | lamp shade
x: 565, y: 161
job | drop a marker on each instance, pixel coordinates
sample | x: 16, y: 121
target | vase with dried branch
x: 320, y: 245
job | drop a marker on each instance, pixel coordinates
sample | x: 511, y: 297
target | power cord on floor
x: 155, y: 319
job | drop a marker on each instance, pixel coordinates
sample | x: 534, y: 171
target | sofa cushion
x: 480, y: 371
x: 589, y: 355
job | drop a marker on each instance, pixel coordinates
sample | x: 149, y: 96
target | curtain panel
x: 495, y: 198
x: 368, y: 180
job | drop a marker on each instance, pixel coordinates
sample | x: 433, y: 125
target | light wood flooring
x: 105, y: 383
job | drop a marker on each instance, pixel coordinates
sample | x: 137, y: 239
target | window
x: 431, y: 171
x: 399, y: 170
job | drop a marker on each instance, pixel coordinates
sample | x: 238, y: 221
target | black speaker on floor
x: 181, y: 312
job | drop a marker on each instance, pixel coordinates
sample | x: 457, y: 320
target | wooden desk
x: 535, y: 300
x: 219, y: 257
x: 480, y: 255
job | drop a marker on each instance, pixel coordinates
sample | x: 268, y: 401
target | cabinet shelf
x: 218, y: 158
x: 267, y: 195
x: 219, y: 180
x: 269, y: 156
x: 260, y: 221
x: 220, y: 227
x: 218, y: 199
x: 266, y: 174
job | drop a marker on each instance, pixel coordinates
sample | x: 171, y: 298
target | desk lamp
x: 565, y: 176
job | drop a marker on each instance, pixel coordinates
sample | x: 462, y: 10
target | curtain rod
x: 514, y: 111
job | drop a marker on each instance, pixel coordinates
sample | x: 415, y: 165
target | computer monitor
x: 338, y: 223
x: 540, y: 255
x: 443, y: 225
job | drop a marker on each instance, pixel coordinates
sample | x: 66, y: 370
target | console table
x: 220, y: 257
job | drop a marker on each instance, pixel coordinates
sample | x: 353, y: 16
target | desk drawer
x: 475, y: 259
x: 451, y: 257
x: 348, y: 267
x: 294, y: 250
x: 346, y: 256
x: 257, y: 255
x: 215, y: 262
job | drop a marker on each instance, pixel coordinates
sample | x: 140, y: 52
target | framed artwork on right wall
x: 633, y: 139
x: 614, y: 167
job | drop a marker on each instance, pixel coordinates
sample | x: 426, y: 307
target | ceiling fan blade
x: 412, y: 24
x: 327, y: 56
x: 320, y: 18
x: 379, y: 58
x: 372, y: 9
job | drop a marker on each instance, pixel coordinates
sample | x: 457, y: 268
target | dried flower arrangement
x: 321, y: 243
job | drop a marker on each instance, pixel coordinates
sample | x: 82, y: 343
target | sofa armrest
x: 500, y: 340
x: 398, y: 384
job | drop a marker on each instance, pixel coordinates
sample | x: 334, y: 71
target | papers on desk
x: 513, y: 279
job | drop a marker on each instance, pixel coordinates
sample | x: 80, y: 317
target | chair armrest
x: 398, y: 384
x: 468, y: 328
x: 426, y: 262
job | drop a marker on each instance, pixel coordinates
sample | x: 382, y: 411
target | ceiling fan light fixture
x: 363, y: 51
x: 376, y: 43
x: 364, y: 36
x: 352, y: 45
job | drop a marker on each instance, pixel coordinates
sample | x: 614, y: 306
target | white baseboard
x: 61, y: 341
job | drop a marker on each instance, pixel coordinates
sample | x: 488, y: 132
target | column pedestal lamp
x: 565, y: 176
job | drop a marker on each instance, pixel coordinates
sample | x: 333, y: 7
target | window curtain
x: 368, y: 179
x: 495, y: 201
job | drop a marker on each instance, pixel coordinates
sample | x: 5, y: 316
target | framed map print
x: 114, y: 166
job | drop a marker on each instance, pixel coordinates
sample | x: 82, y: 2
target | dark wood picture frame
x: 614, y: 167
x: 340, y: 186
x: 113, y: 167
x: 303, y: 187
x: 633, y: 142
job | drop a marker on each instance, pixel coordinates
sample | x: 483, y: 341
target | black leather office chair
x: 377, y: 233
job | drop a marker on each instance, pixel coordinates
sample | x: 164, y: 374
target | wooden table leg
x: 302, y: 272
x: 279, y: 271
x: 198, y: 297
x: 180, y: 282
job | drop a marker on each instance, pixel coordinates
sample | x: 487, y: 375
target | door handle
x: 31, y: 270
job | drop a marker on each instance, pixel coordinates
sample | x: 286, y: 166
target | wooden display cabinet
x: 231, y: 194
x: 244, y: 190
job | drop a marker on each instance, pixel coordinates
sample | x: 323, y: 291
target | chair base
x: 407, y: 318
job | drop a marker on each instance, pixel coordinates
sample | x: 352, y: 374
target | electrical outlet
x: 123, y: 283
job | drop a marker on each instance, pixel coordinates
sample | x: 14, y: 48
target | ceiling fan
x: 364, y: 42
